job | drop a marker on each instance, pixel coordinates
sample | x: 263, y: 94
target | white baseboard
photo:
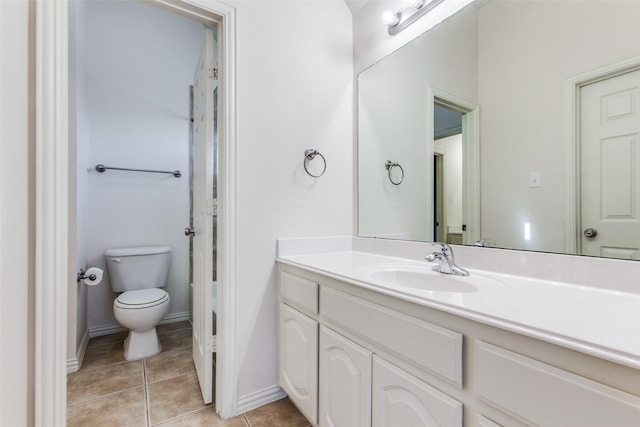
x: 260, y: 398
x: 74, y: 364
x: 98, y: 331
x: 175, y: 317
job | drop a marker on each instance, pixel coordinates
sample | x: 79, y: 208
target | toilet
x: 139, y: 273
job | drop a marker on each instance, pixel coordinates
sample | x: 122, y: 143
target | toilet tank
x: 140, y: 267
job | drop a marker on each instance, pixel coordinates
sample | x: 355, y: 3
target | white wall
x: 295, y: 91
x: 17, y: 312
x: 140, y: 62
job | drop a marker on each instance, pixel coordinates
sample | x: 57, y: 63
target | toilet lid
x: 142, y: 297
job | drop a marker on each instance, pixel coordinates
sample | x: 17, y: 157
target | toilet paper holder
x: 81, y: 275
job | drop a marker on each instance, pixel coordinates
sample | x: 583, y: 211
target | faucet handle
x: 433, y: 256
x: 446, y: 249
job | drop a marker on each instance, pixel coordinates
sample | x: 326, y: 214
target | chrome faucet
x: 446, y: 263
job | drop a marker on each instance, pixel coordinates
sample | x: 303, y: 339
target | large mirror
x: 514, y: 124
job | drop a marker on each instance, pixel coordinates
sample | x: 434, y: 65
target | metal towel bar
x: 389, y: 165
x: 102, y: 168
x: 311, y: 154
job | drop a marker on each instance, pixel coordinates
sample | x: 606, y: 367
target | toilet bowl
x: 140, y: 311
x: 139, y: 273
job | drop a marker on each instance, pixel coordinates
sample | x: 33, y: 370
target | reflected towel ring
x: 389, y: 165
x: 310, y: 154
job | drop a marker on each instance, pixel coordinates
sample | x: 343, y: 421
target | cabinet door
x: 345, y: 382
x: 400, y: 399
x: 298, y: 360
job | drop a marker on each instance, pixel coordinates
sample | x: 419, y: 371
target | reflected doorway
x: 448, y: 198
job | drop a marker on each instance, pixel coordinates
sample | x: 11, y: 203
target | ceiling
x: 356, y: 5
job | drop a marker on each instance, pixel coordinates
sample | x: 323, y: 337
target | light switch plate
x: 534, y: 180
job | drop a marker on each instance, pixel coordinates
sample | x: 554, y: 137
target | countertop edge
x: 622, y: 358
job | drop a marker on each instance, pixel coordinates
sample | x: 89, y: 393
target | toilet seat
x: 143, y: 298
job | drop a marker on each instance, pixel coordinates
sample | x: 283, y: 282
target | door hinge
x: 212, y: 207
x: 212, y: 72
x: 211, y: 344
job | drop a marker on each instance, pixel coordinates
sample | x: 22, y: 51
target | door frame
x: 571, y: 137
x: 470, y: 158
x: 440, y: 185
x: 54, y: 268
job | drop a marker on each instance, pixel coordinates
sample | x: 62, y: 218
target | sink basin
x: 422, y: 278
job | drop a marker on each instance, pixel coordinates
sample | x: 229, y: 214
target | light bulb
x: 416, y: 4
x: 390, y: 18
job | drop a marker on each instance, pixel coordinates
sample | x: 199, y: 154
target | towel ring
x: 389, y: 165
x: 311, y: 154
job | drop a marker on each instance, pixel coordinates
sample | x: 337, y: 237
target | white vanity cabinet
x: 544, y: 395
x: 348, y: 376
x: 400, y: 399
x: 356, y: 357
x: 298, y: 360
x: 345, y: 381
x: 298, y: 343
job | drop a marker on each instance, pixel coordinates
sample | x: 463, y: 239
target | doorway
x: 138, y: 121
x: 448, y: 169
x: 55, y: 204
x: 455, y: 188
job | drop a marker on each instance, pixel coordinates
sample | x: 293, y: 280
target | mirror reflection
x: 513, y: 124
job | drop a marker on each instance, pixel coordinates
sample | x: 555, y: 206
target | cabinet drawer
x: 545, y: 395
x: 299, y: 291
x: 431, y: 347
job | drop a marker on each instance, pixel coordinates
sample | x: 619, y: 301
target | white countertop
x: 599, y: 322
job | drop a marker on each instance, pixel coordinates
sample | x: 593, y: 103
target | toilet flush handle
x: 116, y: 260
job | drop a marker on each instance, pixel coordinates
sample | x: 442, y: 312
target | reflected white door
x: 203, y: 169
x: 610, y: 167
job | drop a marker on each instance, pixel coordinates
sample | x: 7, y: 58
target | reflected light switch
x: 534, y: 179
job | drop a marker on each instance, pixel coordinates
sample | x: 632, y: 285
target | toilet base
x: 141, y: 344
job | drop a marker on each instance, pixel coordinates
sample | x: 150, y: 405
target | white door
x: 610, y: 167
x: 345, y: 382
x: 203, y: 231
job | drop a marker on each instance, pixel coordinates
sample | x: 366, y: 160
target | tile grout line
x: 104, y: 395
x: 147, y: 404
x: 177, y: 417
x: 246, y: 420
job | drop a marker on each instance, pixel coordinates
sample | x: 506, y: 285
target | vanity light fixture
x: 389, y: 18
x: 413, y: 10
